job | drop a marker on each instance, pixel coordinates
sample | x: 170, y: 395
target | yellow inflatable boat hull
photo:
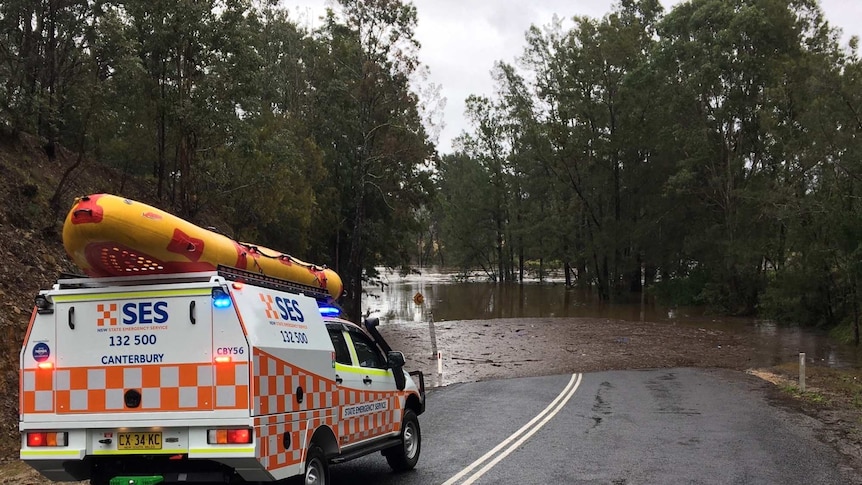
x: 107, y: 235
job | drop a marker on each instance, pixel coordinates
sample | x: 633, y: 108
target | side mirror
x: 372, y: 322
x: 394, y: 359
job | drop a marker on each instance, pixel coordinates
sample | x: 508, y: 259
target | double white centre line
x: 518, y: 438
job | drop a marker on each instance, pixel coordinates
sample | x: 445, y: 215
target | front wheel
x: 316, y: 469
x: 404, y: 457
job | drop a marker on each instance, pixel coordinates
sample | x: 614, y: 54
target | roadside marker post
x: 440, y: 363
x: 434, y: 353
x: 801, y: 371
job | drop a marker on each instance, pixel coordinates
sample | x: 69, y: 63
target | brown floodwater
x: 447, y: 298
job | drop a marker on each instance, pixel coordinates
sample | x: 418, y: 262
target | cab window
x: 367, y: 353
x: 342, y: 354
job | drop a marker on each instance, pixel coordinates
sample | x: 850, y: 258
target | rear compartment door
x: 134, y: 351
x: 293, y: 357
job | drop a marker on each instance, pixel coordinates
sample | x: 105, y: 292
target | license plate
x: 139, y: 441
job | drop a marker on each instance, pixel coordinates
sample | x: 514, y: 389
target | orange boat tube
x: 106, y: 235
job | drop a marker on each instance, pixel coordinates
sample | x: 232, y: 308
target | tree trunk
x: 501, y: 266
x: 160, y: 140
x: 354, y: 259
x: 50, y: 120
x: 855, y: 314
x: 61, y: 186
x: 521, y: 262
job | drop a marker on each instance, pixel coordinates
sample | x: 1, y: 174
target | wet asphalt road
x: 677, y: 426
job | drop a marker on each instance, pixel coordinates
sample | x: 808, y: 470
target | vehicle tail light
x: 223, y: 359
x: 229, y: 436
x: 36, y: 439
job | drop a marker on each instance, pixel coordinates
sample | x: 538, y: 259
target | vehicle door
x: 369, y: 387
x: 347, y: 383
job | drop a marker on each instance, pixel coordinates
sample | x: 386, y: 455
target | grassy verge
x: 840, y: 388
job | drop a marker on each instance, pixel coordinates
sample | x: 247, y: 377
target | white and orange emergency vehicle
x: 221, y: 376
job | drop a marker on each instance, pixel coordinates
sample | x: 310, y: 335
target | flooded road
x: 446, y: 299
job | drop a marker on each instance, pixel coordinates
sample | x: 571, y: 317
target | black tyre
x: 99, y: 480
x: 316, y: 467
x: 404, y: 457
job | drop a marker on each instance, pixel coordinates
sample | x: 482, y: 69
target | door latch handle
x: 338, y: 379
x: 367, y: 380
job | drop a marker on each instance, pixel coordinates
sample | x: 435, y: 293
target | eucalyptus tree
x: 279, y: 105
x: 545, y: 221
x: 124, y: 133
x: 817, y: 282
x: 525, y: 198
x: 497, y: 160
x: 262, y: 169
x: 732, y: 67
x: 159, y: 34
x: 468, y: 227
x: 491, y: 148
x: 536, y: 222
x: 191, y: 53
x: 592, y: 119
x: 845, y: 215
x: 46, y: 69
x: 182, y: 76
x: 366, y: 120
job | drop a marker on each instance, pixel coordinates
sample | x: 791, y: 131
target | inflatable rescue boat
x: 106, y: 235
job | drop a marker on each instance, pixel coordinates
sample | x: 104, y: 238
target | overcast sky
x: 462, y: 39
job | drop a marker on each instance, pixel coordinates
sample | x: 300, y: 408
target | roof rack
x: 271, y: 282
x: 72, y: 281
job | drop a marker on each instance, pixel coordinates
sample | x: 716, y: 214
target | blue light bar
x: 329, y: 311
x: 221, y: 299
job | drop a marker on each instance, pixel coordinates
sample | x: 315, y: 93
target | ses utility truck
x: 221, y: 376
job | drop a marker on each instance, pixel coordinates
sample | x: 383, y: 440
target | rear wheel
x: 404, y: 457
x: 316, y: 469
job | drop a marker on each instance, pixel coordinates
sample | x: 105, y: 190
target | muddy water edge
x: 531, y: 319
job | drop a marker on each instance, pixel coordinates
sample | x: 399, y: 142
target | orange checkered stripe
x: 37, y: 391
x: 179, y: 387
x: 276, y: 382
x: 370, y: 425
x: 231, y: 385
x: 270, y: 430
x: 275, y: 397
